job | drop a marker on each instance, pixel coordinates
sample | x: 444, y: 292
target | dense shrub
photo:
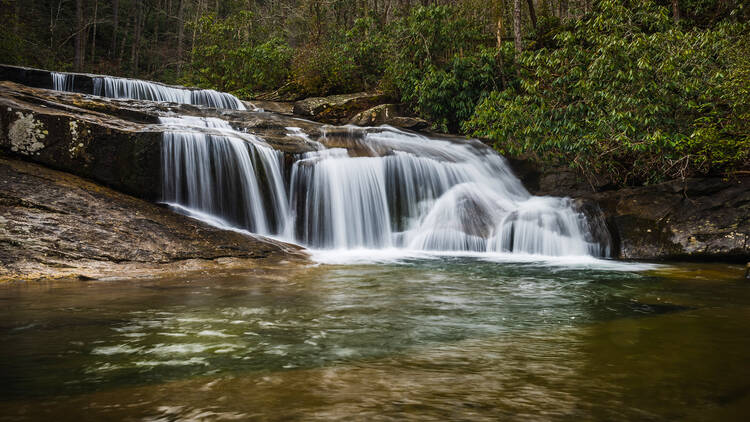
x: 230, y: 55
x: 630, y: 95
x: 349, y: 61
x: 439, y: 64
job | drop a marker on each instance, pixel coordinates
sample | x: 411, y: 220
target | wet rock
x: 116, y: 142
x: 697, y: 218
x: 388, y: 114
x: 53, y: 224
x: 601, y: 233
x: 280, y: 107
x: 337, y: 109
x: 91, y: 140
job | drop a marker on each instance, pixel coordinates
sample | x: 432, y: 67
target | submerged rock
x: 54, y: 224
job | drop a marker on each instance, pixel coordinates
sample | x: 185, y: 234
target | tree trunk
x: 115, y: 23
x: 676, y: 10
x: 499, y: 32
x: 136, y: 47
x: 532, y: 14
x: 129, y: 24
x: 78, y: 58
x: 93, y: 37
x: 17, y: 18
x: 517, y: 25
x: 180, y: 34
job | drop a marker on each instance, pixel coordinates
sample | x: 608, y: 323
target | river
x: 419, y: 338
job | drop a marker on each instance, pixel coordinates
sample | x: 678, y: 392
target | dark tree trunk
x: 180, y: 34
x: 532, y: 14
x: 136, y: 47
x: 93, y: 36
x: 676, y: 10
x: 115, y: 24
x: 78, y: 58
x: 517, y: 25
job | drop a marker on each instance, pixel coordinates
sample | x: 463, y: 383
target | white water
x: 391, y: 191
x: 107, y: 86
x: 212, y: 169
x: 387, y: 190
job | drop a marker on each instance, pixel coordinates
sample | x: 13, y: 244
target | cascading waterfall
x: 391, y: 189
x: 62, y: 81
x: 209, y: 168
x: 370, y: 188
x: 107, y: 86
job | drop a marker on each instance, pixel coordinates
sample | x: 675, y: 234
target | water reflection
x: 438, y: 339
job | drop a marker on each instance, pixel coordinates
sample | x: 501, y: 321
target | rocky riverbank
x: 117, y: 143
x: 55, y: 225
x: 693, y: 219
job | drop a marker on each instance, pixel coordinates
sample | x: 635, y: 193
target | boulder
x: 337, y: 109
x: 702, y: 218
x: 388, y: 114
x: 97, y: 139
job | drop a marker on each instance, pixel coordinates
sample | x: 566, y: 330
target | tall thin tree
x: 115, y: 23
x: 78, y: 40
x: 517, y: 25
x: 532, y: 14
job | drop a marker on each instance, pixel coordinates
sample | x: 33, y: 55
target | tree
x: 517, y: 25
x: 78, y: 59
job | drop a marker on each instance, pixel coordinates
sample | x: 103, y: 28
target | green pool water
x: 423, y: 339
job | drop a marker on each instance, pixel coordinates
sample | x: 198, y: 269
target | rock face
x: 699, y: 218
x: 115, y: 142
x: 704, y: 218
x: 388, y: 114
x: 54, y: 224
x: 337, y: 109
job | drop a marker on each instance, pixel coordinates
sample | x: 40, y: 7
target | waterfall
x: 108, y: 86
x: 62, y: 81
x: 387, y: 189
x: 210, y: 168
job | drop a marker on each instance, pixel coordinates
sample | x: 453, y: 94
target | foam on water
x: 389, y: 191
x: 108, y: 86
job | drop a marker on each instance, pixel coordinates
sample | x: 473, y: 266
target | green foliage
x: 629, y: 95
x: 228, y: 56
x: 350, y: 61
x: 439, y: 64
x: 449, y: 95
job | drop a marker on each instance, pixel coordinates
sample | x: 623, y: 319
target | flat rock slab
x: 56, y: 225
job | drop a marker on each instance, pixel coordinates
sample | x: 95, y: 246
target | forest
x: 629, y: 92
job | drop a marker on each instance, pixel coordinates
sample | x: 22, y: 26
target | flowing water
x: 362, y: 188
x: 443, y: 291
x: 425, y: 339
x: 387, y: 189
x: 108, y: 86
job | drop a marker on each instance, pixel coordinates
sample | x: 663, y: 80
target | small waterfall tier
x: 108, y: 86
x: 216, y: 171
x: 370, y: 188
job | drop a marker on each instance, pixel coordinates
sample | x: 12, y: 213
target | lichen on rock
x: 78, y: 141
x: 26, y: 134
